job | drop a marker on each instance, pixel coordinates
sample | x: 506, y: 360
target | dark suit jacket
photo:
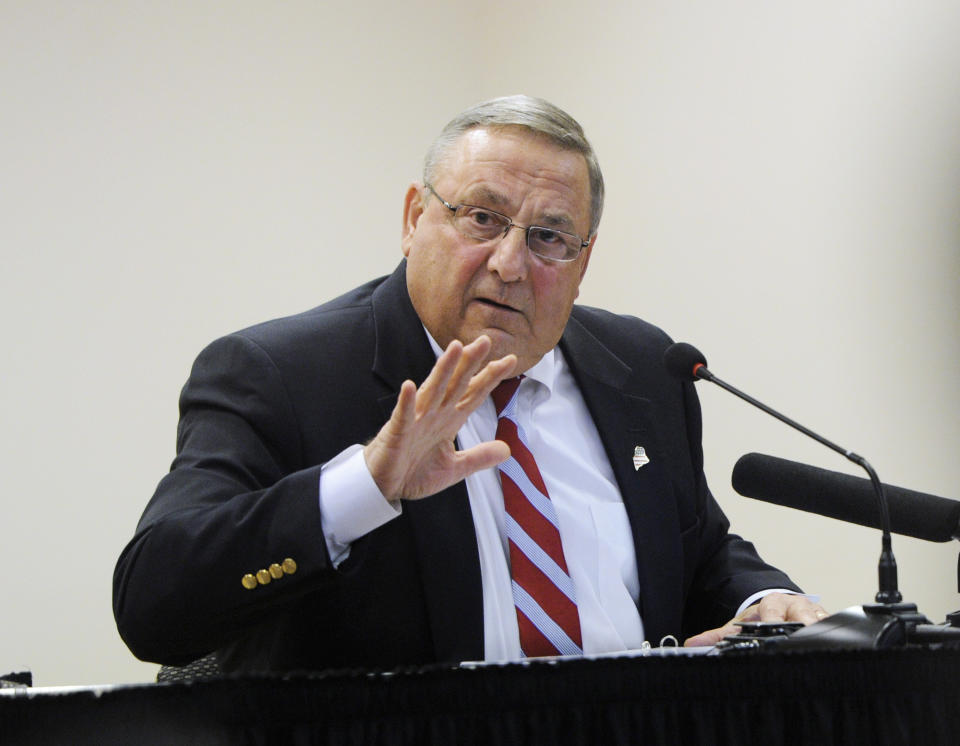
x: 266, y: 407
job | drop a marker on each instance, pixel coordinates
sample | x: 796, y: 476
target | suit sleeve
x: 211, y: 554
x: 728, y: 568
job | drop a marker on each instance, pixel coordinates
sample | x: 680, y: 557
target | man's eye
x: 482, y: 218
x: 544, y: 236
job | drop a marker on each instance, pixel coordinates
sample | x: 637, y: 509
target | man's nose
x: 510, y: 256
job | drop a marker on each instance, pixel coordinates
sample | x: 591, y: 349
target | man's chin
x: 505, y: 343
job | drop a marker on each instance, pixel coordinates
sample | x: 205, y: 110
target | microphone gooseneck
x: 686, y: 362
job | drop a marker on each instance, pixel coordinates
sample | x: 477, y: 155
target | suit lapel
x: 626, y: 420
x: 442, y: 524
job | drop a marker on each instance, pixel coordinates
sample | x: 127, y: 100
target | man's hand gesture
x: 413, y: 455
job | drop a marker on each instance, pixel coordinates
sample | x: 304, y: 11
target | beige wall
x: 783, y: 192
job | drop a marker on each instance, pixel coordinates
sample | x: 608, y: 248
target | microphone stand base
x: 871, y: 626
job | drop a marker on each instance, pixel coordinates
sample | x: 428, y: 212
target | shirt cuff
x: 351, y: 504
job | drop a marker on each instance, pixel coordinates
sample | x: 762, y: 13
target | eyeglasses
x: 488, y: 225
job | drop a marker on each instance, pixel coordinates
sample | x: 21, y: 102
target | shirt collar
x: 544, y: 371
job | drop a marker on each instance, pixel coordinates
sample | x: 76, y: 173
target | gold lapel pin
x: 640, y: 457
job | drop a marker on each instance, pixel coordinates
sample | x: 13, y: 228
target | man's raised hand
x: 413, y: 455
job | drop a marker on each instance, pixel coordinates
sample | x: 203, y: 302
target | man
x: 337, y: 498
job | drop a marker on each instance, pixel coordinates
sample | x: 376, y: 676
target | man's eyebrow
x: 560, y: 221
x: 489, y: 197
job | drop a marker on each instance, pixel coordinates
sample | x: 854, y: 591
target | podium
x: 895, y: 696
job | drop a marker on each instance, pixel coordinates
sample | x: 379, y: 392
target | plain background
x: 783, y: 192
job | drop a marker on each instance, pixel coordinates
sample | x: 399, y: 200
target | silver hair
x: 534, y: 114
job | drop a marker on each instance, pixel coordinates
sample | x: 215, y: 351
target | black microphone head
x: 682, y: 361
x: 845, y: 497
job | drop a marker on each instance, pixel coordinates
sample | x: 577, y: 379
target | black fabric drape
x: 848, y: 697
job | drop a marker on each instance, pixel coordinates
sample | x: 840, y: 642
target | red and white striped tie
x: 542, y: 589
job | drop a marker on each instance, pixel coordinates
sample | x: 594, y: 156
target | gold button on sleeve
x: 289, y: 566
x: 263, y: 577
x: 276, y: 571
x: 249, y: 582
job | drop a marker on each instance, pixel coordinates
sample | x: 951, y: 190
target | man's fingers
x: 469, y: 363
x: 486, y: 381
x: 782, y: 607
x: 711, y: 636
x: 404, y: 412
x: 413, y: 455
x: 433, y: 390
x: 773, y: 608
x: 451, y: 374
x: 482, y: 456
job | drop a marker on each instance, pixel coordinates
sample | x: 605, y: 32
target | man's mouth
x: 496, y: 304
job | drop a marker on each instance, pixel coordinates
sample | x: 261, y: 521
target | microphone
x: 845, y: 497
x: 686, y: 362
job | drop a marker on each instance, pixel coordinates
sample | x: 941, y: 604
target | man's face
x: 461, y: 287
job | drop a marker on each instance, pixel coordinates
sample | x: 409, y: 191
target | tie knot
x: 504, y: 392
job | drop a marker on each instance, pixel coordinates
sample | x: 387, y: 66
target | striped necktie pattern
x: 542, y: 589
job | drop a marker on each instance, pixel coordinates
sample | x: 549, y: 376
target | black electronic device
x: 871, y: 626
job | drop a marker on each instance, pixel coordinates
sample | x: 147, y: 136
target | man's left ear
x: 412, y: 210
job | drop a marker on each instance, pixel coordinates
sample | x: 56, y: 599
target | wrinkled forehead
x: 497, y: 165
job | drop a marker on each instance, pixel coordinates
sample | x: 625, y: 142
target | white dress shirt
x: 594, y: 529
